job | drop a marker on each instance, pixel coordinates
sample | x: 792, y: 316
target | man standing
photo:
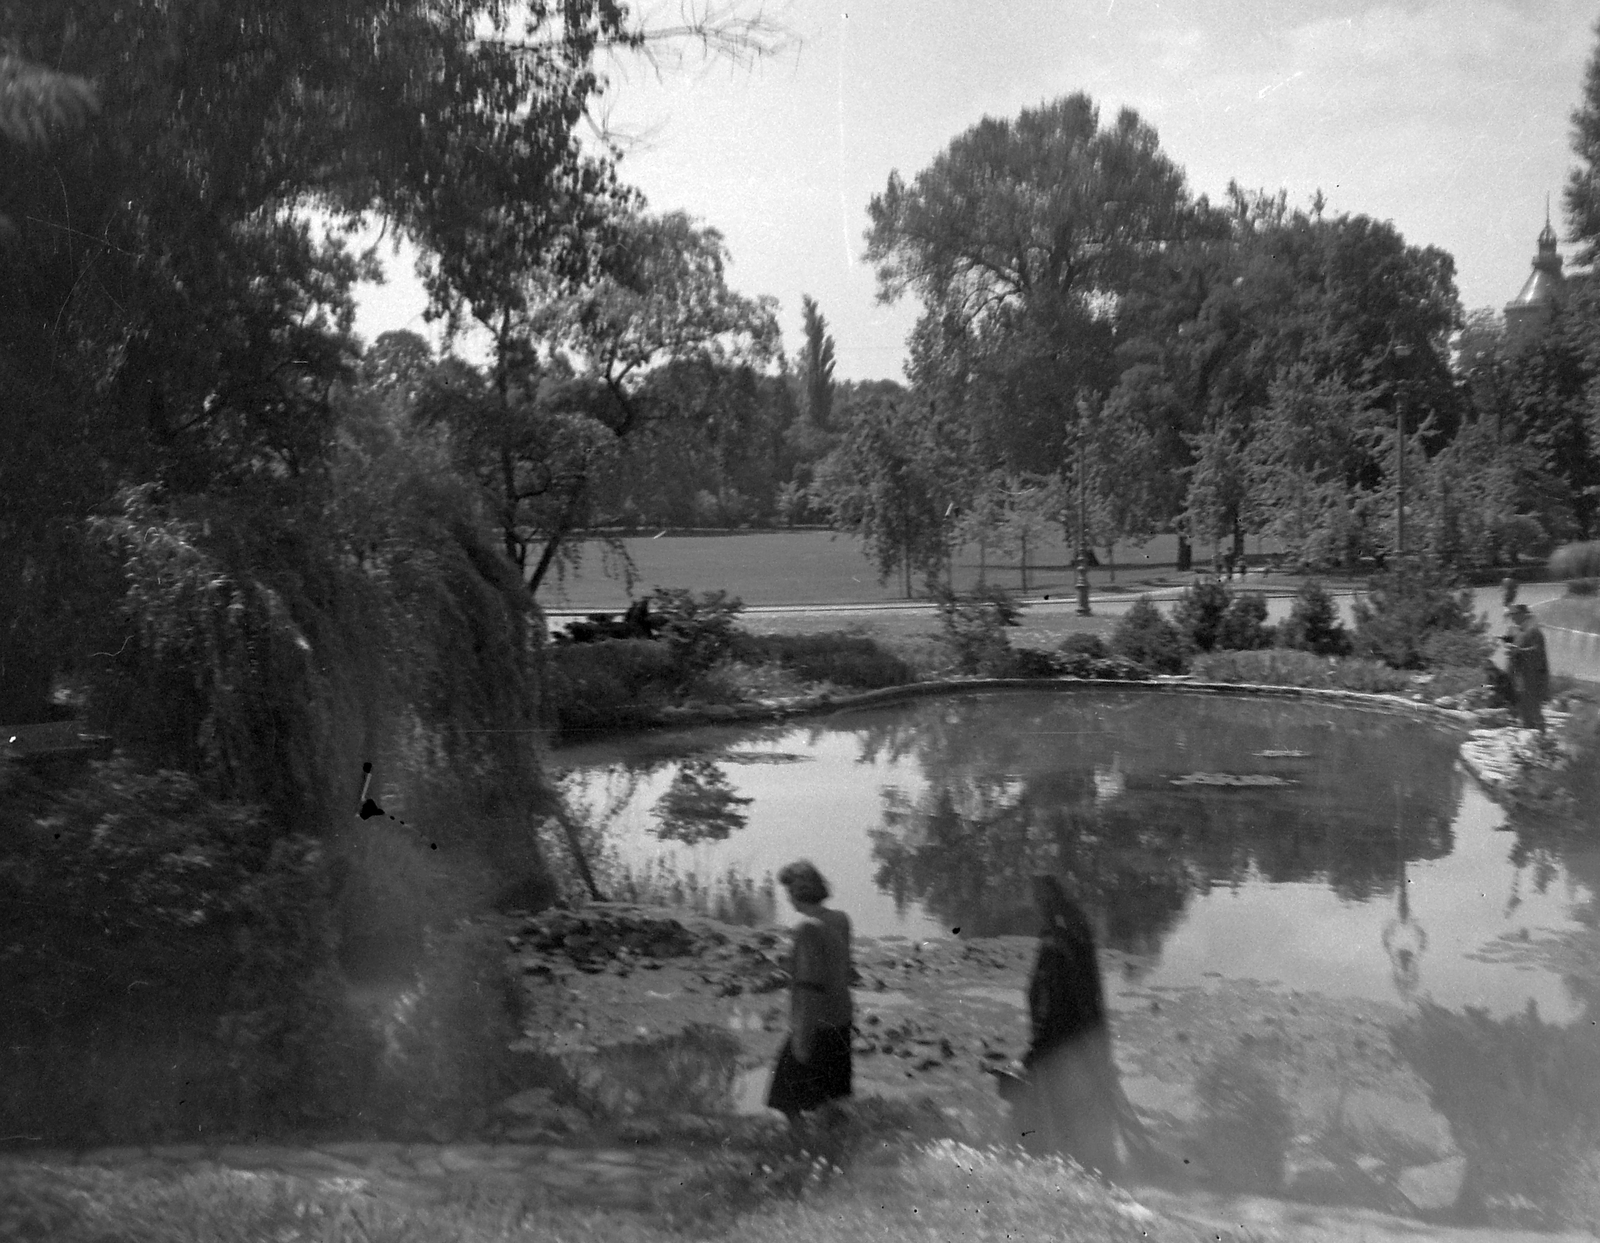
x: 1529, y: 668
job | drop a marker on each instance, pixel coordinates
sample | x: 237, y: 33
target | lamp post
x: 1402, y: 352
x: 1083, y: 515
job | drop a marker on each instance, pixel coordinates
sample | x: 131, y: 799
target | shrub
x: 1286, y: 667
x: 1143, y: 635
x: 1454, y: 649
x: 1583, y: 586
x: 1032, y: 662
x: 1401, y: 610
x: 697, y: 631
x: 974, y: 628
x: 1199, y: 612
x: 1576, y: 560
x: 606, y: 684
x: 1107, y: 668
x: 1313, y: 624
x: 1244, y: 626
x: 1085, y: 644
x: 840, y: 658
x: 169, y: 961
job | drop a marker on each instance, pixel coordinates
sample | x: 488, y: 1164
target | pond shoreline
x: 688, y: 715
x: 603, y: 984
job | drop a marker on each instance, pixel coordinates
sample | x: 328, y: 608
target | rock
x: 1313, y: 1177
x: 528, y: 1103
x: 1156, y: 1096
x: 1436, y: 1187
x: 1383, y: 1120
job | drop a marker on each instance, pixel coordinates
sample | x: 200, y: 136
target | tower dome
x: 1529, y: 312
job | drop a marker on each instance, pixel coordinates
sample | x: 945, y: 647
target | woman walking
x: 1074, y: 1098
x: 814, y: 1064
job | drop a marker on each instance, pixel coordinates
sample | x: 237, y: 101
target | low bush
x: 169, y: 959
x: 843, y: 659
x: 974, y: 629
x: 697, y: 630
x: 1401, y: 611
x: 1454, y: 649
x: 1031, y: 662
x: 1089, y: 644
x: 1199, y: 613
x: 1313, y: 624
x: 1244, y: 626
x: 1144, y: 636
x: 1576, y: 560
x: 614, y: 682
x: 1282, y: 667
x: 1583, y: 587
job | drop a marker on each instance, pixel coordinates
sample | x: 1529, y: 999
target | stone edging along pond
x: 723, y: 714
x: 1489, y: 764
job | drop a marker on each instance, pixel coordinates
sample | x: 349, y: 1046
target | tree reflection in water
x: 699, y: 805
x: 1523, y: 1096
x: 1086, y: 788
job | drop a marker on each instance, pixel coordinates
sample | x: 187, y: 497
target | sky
x: 1449, y: 117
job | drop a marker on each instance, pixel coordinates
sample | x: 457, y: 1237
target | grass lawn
x: 824, y: 567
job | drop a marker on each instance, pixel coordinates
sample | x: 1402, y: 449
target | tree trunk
x: 1185, y: 554
x: 1024, y: 562
x: 1111, y: 560
x: 578, y: 859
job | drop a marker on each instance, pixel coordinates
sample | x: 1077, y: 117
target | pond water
x: 1335, y: 850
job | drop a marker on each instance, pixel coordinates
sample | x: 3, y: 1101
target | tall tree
x: 649, y: 342
x: 171, y: 312
x: 1021, y: 240
x: 1583, y: 182
x: 1234, y: 339
x: 816, y: 366
x: 897, y: 480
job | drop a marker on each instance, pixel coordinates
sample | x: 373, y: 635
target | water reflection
x: 1522, y: 1097
x: 700, y: 805
x: 931, y: 815
x: 1088, y: 789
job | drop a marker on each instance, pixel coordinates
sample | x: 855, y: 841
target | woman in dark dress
x: 814, y: 1065
x: 1073, y: 1099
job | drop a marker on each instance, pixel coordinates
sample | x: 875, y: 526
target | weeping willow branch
x: 720, y: 31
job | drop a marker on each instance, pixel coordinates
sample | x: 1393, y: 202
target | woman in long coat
x: 1073, y: 1099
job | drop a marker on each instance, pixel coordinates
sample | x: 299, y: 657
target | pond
x: 1336, y: 850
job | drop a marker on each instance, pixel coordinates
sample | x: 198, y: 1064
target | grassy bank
x: 943, y: 1191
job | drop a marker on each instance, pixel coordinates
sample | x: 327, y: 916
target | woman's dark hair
x: 803, y: 881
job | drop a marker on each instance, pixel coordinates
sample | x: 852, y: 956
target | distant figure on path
x: 1074, y: 1098
x: 1529, y: 667
x: 814, y: 1065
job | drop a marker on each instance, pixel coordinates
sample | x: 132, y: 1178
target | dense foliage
x: 1143, y: 634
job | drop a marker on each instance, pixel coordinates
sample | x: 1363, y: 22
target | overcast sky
x: 1449, y: 117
